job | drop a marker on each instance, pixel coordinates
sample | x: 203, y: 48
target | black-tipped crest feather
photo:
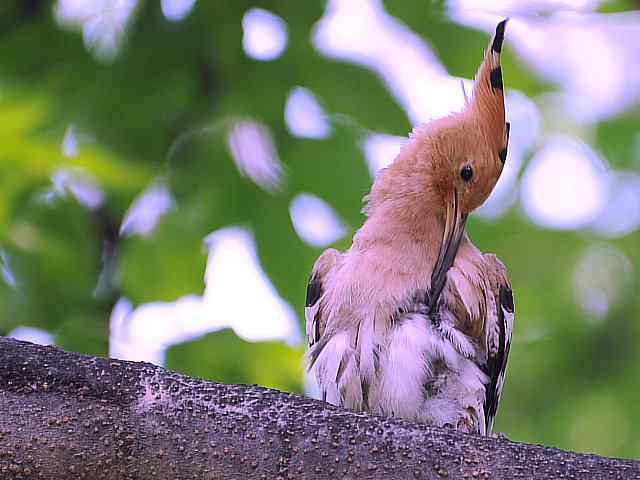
x: 498, y: 38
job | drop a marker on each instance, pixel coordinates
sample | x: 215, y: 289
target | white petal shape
x: 564, y: 185
x: 70, y: 142
x: 80, y: 184
x: 254, y: 153
x: 145, y: 333
x: 380, y: 150
x: 176, y: 10
x: 103, y: 22
x: 314, y: 220
x: 146, y: 210
x: 362, y: 32
x: 33, y: 335
x: 303, y: 115
x: 7, y: 275
x: 264, y: 34
x: 240, y: 294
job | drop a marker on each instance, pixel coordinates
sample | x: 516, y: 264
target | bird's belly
x: 423, y: 377
x: 419, y: 375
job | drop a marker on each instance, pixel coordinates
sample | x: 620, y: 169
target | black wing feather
x: 314, y: 291
x: 497, y: 363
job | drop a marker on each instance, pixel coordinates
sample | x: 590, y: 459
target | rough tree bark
x: 67, y: 416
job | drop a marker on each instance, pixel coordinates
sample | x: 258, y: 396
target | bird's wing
x: 315, y: 290
x: 498, y: 329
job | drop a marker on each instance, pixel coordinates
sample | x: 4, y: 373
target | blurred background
x: 170, y: 170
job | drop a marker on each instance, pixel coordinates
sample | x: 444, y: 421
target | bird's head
x: 469, y: 149
x: 466, y: 153
x: 450, y: 165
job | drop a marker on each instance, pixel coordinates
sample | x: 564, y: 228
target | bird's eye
x: 466, y: 173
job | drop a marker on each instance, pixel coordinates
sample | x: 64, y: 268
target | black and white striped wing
x: 314, y: 315
x: 315, y: 291
x: 498, y: 346
x: 312, y: 309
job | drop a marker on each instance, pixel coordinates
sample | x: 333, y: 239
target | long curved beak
x: 453, y: 232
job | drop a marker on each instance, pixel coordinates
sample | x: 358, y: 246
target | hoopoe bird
x: 413, y: 321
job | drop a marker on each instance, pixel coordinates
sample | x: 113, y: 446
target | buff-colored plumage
x: 413, y: 320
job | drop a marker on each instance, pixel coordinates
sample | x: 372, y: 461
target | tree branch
x: 64, y: 415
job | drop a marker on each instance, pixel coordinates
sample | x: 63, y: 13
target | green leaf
x: 224, y: 357
x: 461, y: 49
x: 54, y: 255
x: 166, y: 265
x: 30, y: 156
x: 617, y: 140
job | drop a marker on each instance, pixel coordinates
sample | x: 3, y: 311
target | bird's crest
x: 487, y: 102
x: 463, y: 153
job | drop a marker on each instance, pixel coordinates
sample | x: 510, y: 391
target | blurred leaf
x: 167, y: 264
x: 619, y: 141
x: 205, y: 180
x: 224, y: 357
x: 29, y: 158
x: 612, y: 6
x: 358, y: 93
x: 459, y: 48
x: 54, y: 281
x: 333, y: 169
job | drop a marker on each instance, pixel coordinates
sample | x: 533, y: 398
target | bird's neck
x: 405, y: 213
x: 414, y: 234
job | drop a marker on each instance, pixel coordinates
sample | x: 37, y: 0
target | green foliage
x: 618, y: 139
x: 223, y: 357
x: 451, y: 43
x: 164, y: 266
x: 161, y: 111
x: 54, y: 254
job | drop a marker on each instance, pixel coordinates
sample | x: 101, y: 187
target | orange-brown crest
x: 463, y: 152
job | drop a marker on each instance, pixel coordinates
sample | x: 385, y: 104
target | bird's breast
x: 379, y: 280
